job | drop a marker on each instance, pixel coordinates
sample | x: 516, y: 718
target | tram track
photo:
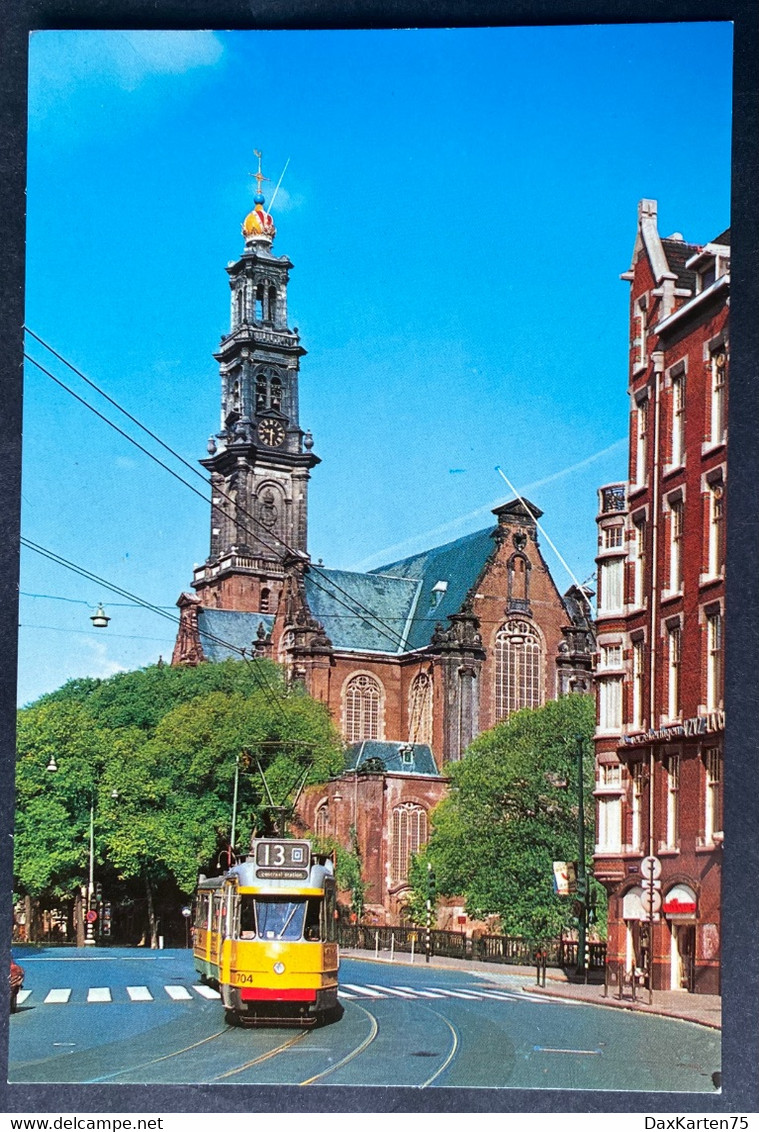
x: 158, y: 1060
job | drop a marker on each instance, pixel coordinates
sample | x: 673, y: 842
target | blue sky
x: 458, y: 204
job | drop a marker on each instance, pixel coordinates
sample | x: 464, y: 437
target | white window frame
x: 717, y: 396
x: 712, y: 799
x: 639, y: 562
x: 676, y: 519
x: 678, y: 450
x: 674, y: 661
x: 672, y: 772
x: 715, y: 563
x: 612, y: 587
x: 714, y: 665
x: 610, y: 704
x: 641, y: 441
x: 637, y: 782
x: 638, y: 674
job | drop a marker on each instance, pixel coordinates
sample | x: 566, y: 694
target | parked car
x: 16, y: 981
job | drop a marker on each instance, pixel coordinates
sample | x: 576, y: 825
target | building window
x: 264, y: 602
x: 713, y: 660
x: 610, y: 705
x: 676, y: 545
x: 611, y: 656
x: 268, y: 390
x: 638, y: 666
x: 678, y: 420
x: 674, y: 646
x: 613, y: 537
x: 717, y: 402
x: 639, y: 564
x: 420, y: 709
x: 611, y: 586
x: 716, y: 542
x: 321, y: 821
x: 518, y: 668
x: 362, y: 709
x: 641, y: 440
x: 672, y: 767
x: 409, y: 836
x: 713, y: 813
x: 638, y: 779
x: 610, y: 824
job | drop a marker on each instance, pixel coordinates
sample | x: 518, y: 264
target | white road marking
x: 499, y: 995
x: 99, y: 994
x: 344, y: 994
x: 393, y: 990
x: 423, y: 993
x: 455, y: 993
x: 179, y: 994
x: 60, y: 994
x: 364, y: 990
x: 139, y: 994
x: 22, y: 996
x: 585, y: 1052
x: 206, y: 992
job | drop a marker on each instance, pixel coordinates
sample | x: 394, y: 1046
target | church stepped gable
x: 458, y: 564
x: 362, y: 612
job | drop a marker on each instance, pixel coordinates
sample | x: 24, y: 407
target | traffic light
x: 98, y: 892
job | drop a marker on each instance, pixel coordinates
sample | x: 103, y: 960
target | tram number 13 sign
x: 283, y: 860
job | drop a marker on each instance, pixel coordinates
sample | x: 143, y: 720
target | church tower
x: 260, y: 459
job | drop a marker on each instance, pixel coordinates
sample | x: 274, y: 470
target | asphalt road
x: 126, y: 1015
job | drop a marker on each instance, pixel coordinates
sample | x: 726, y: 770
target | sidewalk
x: 703, y: 1009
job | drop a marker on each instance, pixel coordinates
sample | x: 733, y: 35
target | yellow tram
x: 265, y: 935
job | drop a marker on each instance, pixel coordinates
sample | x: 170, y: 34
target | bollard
x: 392, y: 946
x: 376, y: 945
x: 413, y: 941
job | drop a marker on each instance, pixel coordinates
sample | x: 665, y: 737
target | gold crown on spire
x: 258, y: 224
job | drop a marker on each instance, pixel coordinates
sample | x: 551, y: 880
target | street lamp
x: 89, y: 937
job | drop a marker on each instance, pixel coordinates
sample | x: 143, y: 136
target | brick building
x: 415, y: 658
x: 661, y: 608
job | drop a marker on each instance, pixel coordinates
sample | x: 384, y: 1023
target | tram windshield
x: 280, y: 919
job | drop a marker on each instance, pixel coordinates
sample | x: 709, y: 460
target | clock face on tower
x: 271, y: 431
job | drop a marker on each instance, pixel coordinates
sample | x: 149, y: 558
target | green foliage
x: 165, y: 741
x: 347, y: 868
x: 513, y: 811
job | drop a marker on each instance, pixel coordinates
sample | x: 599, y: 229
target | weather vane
x: 259, y: 175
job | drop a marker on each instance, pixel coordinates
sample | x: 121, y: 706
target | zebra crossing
x: 62, y: 996
x: 177, y: 992
x: 374, y: 991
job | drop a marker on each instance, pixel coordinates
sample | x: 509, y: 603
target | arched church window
x: 321, y: 820
x: 259, y: 313
x: 275, y: 394
x: 518, y: 668
x: 420, y: 709
x: 362, y: 709
x: 409, y: 836
x: 271, y: 313
x: 240, y: 306
x: 264, y: 601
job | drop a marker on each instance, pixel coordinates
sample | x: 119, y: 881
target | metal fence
x: 513, y: 950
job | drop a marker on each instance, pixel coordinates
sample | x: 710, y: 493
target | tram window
x: 280, y: 919
x: 247, y: 918
x: 313, y: 930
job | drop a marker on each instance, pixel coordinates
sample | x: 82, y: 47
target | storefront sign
x: 688, y: 729
x: 680, y: 901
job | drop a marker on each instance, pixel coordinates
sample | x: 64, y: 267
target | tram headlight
x: 279, y: 968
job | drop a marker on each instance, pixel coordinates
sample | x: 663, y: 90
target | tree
x: 157, y: 751
x: 512, y: 811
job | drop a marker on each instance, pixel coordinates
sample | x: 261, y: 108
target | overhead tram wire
x: 371, y: 618
x: 59, y: 560
x: 375, y: 622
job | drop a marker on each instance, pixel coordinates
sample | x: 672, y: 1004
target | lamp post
x: 89, y: 919
x: 582, y: 879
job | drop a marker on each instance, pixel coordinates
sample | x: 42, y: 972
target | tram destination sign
x: 283, y: 860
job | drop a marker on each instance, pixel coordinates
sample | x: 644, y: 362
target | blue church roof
x: 362, y: 611
x: 223, y: 631
x: 395, y: 758
x: 456, y: 565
